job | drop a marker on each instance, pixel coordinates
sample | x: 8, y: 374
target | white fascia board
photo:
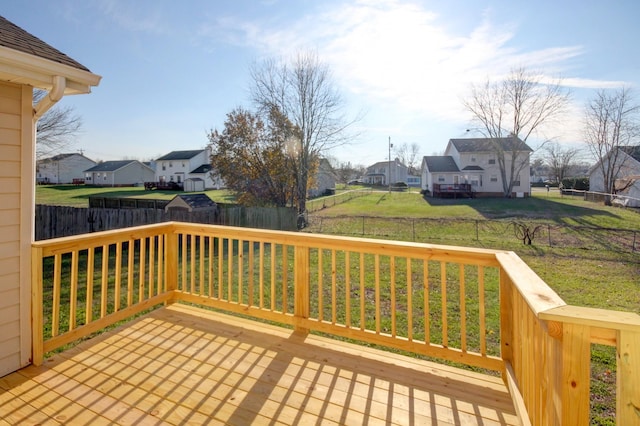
x: 23, y: 68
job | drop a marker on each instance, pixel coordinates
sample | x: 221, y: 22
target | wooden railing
x: 477, y: 307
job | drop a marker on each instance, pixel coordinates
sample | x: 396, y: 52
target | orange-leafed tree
x: 254, y: 155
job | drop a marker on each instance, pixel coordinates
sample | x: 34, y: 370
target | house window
x: 440, y: 178
x: 517, y: 181
x: 473, y: 159
x: 494, y: 178
x: 164, y: 166
x: 492, y: 161
x: 170, y: 164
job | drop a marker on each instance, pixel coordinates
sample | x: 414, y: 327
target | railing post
x: 171, y: 251
x: 506, y: 317
x: 301, y: 289
x: 576, y: 371
x: 37, y: 339
x: 628, y: 378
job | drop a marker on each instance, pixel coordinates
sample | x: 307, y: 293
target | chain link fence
x: 494, y: 232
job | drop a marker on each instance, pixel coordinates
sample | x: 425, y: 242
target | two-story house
x: 192, y: 165
x: 386, y: 172
x: 62, y: 168
x: 481, y: 164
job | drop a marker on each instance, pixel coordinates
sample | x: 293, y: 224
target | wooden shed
x: 192, y: 203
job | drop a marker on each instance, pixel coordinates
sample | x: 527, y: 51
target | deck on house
x: 184, y: 365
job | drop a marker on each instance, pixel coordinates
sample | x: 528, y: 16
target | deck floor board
x: 182, y: 365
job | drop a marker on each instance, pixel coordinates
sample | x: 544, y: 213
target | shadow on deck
x: 185, y: 365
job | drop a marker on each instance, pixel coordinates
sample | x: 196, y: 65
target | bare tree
x: 409, y: 155
x: 56, y: 130
x: 611, y: 129
x: 515, y: 108
x: 560, y: 160
x: 304, y: 92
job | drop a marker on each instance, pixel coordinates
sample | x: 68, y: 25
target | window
x: 170, y: 164
x: 473, y: 159
x: 492, y: 161
x: 440, y: 178
x: 516, y: 182
x: 494, y: 178
x: 164, y: 166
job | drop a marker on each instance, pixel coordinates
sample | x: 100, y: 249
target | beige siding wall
x: 15, y: 102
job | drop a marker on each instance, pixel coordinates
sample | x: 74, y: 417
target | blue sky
x: 172, y: 70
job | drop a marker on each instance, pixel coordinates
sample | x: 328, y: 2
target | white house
x: 386, y: 172
x: 119, y: 173
x: 626, y: 174
x: 62, y: 168
x: 178, y: 166
x: 325, y: 178
x: 25, y: 62
x: 474, y: 162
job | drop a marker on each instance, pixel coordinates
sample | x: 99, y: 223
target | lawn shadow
x: 548, y: 209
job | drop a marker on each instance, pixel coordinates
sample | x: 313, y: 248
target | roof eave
x: 23, y: 68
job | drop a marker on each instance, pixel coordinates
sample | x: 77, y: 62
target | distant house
x: 386, y: 172
x: 191, y: 203
x: 473, y: 163
x: 325, y: 179
x: 178, y: 166
x: 62, y: 168
x: 119, y: 173
x: 627, y: 174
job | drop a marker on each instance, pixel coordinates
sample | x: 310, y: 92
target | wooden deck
x: 183, y: 365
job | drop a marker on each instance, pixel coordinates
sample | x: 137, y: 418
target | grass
x: 78, y: 196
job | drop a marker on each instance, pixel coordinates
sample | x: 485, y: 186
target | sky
x: 172, y: 70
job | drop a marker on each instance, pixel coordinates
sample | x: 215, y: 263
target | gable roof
x: 14, y: 37
x: 632, y: 151
x: 60, y: 157
x: 25, y: 59
x: 110, y: 166
x: 195, y: 201
x: 441, y: 163
x: 205, y: 168
x: 487, y: 144
x: 180, y: 155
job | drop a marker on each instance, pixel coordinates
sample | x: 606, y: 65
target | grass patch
x: 78, y: 196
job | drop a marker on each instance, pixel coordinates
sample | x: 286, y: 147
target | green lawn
x: 78, y: 196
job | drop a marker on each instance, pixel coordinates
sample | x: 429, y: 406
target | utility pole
x: 389, y: 176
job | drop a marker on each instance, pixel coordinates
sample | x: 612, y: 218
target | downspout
x: 54, y: 95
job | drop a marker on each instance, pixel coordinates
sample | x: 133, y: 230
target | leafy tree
x: 303, y: 91
x: 516, y: 107
x: 253, y: 156
x: 611, y: 130
x: 56, y: 130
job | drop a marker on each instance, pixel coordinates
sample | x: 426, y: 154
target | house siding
x: 16, y: 219
x: 630, y: 166
x: 64, y: 170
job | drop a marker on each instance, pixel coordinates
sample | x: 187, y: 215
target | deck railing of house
x: 476, y: 307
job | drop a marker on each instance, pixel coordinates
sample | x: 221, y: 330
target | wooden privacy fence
x: 63, y: 221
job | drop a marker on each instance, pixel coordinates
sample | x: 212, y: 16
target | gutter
x: 55, y: 94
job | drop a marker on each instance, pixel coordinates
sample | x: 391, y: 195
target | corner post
x: 171, y: 278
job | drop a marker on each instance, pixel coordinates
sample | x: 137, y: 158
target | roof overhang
x: 23, y: 68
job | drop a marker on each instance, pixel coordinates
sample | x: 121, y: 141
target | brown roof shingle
x: 14, y: 37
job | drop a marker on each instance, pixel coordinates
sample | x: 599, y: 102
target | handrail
x: 429, y: 299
